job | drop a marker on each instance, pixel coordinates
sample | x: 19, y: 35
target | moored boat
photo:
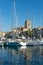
x: 34, y: 43
x: 41, y: 42
x: 11, y: 43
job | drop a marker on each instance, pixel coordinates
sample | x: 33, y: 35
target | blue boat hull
x: 12, y: 44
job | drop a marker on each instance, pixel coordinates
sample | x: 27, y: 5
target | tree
x: 29, y: 33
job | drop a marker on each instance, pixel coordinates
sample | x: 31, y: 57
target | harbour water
x: 31, y: 55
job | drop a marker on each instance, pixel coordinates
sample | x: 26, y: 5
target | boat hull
x: 22, y: 43
x: 34, y: 44
x: 12, y: 44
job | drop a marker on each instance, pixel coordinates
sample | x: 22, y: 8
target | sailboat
x: 12, y: 42
x: 17, y: 41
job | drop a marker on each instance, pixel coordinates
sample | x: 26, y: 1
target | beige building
x: 24, y: 28
x: 28, y: 24
x: 2, y: 34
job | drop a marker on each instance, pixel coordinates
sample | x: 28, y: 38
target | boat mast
x: 15, y: 18
x: 14, y: 13
x: 0, y: 21
x: 33, y: 25
x: 40, y: 25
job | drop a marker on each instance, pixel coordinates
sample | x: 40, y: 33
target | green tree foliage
x: 29, y: 33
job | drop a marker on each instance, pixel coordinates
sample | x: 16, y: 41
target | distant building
x: 28, y: 24
x: 2, y: 34
x: 38, y: 32
x: 23, y: 28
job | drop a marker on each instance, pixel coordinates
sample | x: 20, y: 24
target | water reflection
x: 31, y: 55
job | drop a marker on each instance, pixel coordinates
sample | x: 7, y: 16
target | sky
x: 24, y: 9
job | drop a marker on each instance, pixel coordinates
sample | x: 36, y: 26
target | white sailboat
x: 15, y: 42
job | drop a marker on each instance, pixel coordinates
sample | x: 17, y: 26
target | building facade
x: 28, y: 24
x: 38, y: 32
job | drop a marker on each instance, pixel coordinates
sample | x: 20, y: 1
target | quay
x: 20, y: 43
